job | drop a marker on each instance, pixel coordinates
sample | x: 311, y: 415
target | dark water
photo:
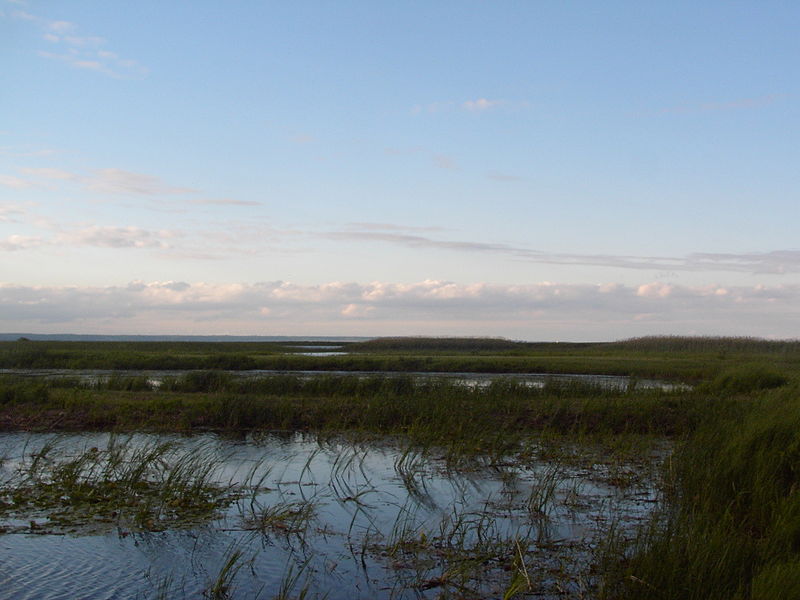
x: 366, y: 499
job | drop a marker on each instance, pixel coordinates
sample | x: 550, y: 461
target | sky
x: 536, y: 170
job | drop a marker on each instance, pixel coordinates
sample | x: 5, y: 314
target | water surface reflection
x: 341, y: 519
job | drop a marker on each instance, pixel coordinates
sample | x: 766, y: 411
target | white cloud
x: 225, y: 202
x: 24, y: 16
x: 81, y: 51
x: 26, y: 152
x: 355, y: 311
x: 116, y: 237
x: 532, y: 311
x: 19, y: 242
x: 8, y: 213
x: 119, y: 181
x: 60, y: 26
x: 368, y: 226
x: 443, y: 161
x: 94, y: 61
x: 655, y: 290
x: 774, y: 262
x: 111, y: 181
x: 14, y: 182
x: 481, y: 104
x: 92, y: 40
x: 478, y: 105
x: 49, y: 173
x: 93, y: 236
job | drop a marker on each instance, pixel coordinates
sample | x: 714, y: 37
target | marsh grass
x: 222, y: 587
x: 488, y: 420
x: 730, y: 523
x: 491, y: 550
x: 285, y: 517
x: 296, y: 584
x: 682, y: 358
x: 543, y: 491
x: 726, y: 526
x: 752, y: 378
x: 471, y: 547
x: 132, y: 486
x: 463, y: 553
x: 520, y: 579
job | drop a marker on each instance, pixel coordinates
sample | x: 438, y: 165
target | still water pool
x: 325, y: 517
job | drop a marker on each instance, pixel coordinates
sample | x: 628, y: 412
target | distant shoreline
x: 80, y: 337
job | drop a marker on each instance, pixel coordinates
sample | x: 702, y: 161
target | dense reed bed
x: 428, y: 409
x: 731, y: 525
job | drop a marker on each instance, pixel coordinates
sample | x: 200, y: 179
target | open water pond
x: 98, y: 516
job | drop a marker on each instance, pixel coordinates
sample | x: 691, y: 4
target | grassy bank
x: 730, y: 525
x: 423, y: 409
x: 685, y: 359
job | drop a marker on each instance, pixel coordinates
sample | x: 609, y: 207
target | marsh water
x: 334, y: 518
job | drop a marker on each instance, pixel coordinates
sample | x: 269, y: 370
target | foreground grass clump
x: 731, y: 526
x: 141, y: 486
x: 749, y: 379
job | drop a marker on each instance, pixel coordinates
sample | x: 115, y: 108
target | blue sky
x: 535, y: 170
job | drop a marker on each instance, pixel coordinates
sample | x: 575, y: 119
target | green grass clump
x: 133, y: 485
x: 731, y: 526
x: 20, y: 391
x: 748, y: 379
x: 779, y: 581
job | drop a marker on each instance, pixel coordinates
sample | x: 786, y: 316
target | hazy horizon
x: 534, y: 171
